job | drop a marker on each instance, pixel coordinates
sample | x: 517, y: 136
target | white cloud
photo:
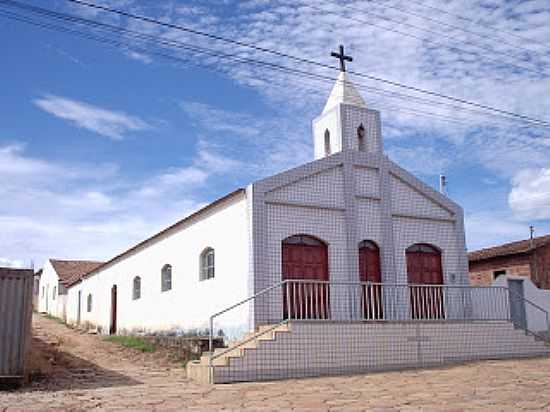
x: 269, y: 145
x: 113, y: 124
x: 8, y: 263
x: 13, y: 165
x: 530, y: 194
x: 491, y: 228
x: 144, y: 58
x: 64, y: 210
x: 432, y: 56
x: 423, y: 160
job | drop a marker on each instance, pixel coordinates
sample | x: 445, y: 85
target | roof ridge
x: 511, y: 243
x: 509, y: 248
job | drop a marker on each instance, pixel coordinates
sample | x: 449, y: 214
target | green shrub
x: 132, y: 342
x: 54, y: 318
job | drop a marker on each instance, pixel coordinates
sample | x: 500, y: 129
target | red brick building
x: 529, y: 258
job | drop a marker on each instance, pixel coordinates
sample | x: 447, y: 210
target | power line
x: 176, y: 59
x: 477, y: 23
x: 210, y: 52
x: 427, y: 40
x: 304, y: 60
x: 312, y: 76
x: 483, y: 36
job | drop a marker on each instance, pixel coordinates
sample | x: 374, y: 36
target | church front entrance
x: 424, y: 270
x: 305, y: 266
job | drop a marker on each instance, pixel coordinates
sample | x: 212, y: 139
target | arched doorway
x: 369, y: 271
x: 305, y: 266
x: 424, y: 270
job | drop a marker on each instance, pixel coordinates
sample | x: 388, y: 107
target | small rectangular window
x: 498, y: 273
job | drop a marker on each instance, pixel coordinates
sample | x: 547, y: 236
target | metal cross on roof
x: 342, y: 57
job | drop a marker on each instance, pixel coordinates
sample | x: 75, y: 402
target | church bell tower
x: 346, y: 123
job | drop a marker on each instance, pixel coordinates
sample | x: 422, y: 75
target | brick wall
x: 541, y: 267
x: 481, y: 272
x: 535, y: 265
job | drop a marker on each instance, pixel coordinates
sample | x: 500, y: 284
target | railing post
x: 211, y: 335
x: 211, y: 350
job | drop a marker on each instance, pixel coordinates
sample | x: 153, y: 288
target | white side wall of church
x: 190, y: 302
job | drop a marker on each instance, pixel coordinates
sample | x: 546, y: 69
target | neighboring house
x: 526, y: 258
x: 351, y: 215
x: 36, y: 289
x: 55, y: 277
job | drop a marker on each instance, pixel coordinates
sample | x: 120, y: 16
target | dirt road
x: 85, y: 372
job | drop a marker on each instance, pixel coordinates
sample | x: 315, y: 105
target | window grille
x: 166, y: 278
x: 207, y: 264
x: 136, y: 294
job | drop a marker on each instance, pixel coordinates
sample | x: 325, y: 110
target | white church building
x: 318, y: 221
x: 339, y: 239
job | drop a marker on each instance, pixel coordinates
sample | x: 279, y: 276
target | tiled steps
x: 301, y: 349
x: 198, y: 370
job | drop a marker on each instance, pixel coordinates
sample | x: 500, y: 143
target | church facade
x: 352, y: 215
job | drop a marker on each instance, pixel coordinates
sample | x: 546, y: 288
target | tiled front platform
x: 309, y: 349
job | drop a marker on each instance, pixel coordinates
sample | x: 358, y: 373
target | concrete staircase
x: 301, y: 349
x: 199, y: 370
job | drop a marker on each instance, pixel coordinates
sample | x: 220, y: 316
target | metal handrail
x: 541, y: 309
x: 250, y: 339
x: 503, y: 311
x: 242, y: 302
x: 337, y: 283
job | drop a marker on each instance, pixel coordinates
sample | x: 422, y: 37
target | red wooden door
x: 305, y: 258
x: 424, y: 268
x: 369, y: 271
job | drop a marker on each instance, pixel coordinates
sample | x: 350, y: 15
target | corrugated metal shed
x: 15, y: 322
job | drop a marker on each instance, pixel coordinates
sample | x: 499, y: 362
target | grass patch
x: 132, y: 342
x: 58, y: 320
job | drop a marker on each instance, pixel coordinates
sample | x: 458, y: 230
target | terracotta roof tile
x: 71, y: 271
x: 513, y: 248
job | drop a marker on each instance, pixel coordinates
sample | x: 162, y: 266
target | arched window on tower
x: 327, y: 143
x: 166, y: 278
x: 361, y: 137
x: 136, y: 291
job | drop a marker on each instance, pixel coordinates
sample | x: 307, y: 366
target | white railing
x: 307, y: 300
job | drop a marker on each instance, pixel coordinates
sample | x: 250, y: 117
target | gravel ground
x: 83, y: 372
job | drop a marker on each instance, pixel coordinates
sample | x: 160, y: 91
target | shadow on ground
x: 53, y: 369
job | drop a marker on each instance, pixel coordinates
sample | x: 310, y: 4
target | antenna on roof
x: 442, y: 184
x: 531, y: 235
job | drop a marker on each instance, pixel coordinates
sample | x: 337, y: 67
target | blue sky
x: 101, y: 147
